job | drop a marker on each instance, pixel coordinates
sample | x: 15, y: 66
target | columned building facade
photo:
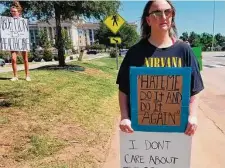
x: 81, y: 32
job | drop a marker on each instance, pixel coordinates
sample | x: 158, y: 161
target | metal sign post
x: 114, y: 23
x: 117, y: 59
x: 116, y: 41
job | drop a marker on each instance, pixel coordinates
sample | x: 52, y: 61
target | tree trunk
x: 60, y: 44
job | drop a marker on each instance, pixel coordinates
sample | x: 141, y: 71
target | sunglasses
x: 158, y: 13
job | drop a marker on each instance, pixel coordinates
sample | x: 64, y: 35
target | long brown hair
x: 146, y: 29
x: 17, y: 6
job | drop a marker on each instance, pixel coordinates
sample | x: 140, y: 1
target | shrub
x: 47, y: 55
x: 88, y: 47
x: 56, y: 58
x: 6, y: 55
x: 74, y: 51
x: 113, y: 53
x: 19, y: 59
x: 96, y: 47
x: 30, y: 56
x: 38, y: 57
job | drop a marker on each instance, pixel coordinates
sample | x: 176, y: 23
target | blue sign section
x: 185, y: 73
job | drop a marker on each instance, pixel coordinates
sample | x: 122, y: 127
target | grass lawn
x: 61, y: 119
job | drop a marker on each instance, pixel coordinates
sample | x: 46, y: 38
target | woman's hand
x: 125, y: 126
x: 192, y: 125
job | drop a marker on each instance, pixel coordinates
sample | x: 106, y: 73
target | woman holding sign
x: 159, y: 48
x: 15, y: 11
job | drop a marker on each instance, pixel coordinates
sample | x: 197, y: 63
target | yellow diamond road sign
x: 114, y: 22
x: 115, y: 40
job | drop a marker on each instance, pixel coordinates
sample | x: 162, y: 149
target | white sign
x: 155, y: 150
x: 14, y: 34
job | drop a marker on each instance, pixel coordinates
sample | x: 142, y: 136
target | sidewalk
x: 34, y: 65
x: 112, y: 160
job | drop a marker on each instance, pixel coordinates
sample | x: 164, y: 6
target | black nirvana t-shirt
x: 145, y: 54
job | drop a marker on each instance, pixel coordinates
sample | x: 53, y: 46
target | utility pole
x: 213, y: 25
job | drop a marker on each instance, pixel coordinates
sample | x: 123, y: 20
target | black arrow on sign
x: 117, y: 41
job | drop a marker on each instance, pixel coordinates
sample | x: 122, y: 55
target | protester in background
x: 157, y: 46
x: 16, y: 11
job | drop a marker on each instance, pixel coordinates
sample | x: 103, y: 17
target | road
x: 208, y: 147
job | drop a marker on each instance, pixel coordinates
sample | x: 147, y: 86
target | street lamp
x: 213, y: 24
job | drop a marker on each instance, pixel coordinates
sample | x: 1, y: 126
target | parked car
x: 2, y: 62
x: 92, y: 52
x: 223, y: 48
x: 123, y: 52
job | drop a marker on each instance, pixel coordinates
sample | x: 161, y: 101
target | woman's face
x: 160, y: 16
x: 14, y: 12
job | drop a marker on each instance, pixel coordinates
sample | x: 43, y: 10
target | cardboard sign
x: 155, y: 150
x: 14, y: 34
x: 159, y: 98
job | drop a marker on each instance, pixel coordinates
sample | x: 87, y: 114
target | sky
x: 190, y: 16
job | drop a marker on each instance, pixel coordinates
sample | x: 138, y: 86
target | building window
x: 80, y: 31
x: 36, y: 32
x: 90, y: 34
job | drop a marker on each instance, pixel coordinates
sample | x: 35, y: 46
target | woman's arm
x: 123, y: 102
x: 194, y: 100
x: 196, y: 87
x: 192, y: 119
x: 125, y: 124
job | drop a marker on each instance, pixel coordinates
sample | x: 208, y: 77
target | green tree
x: 61, y: 10
x: 66, y: 39
x: 44, y: 42
x: 128, y: 34
x: 184, y: 36
x: 194, y: 39
x: 203, y: 40
x: 206, y: 41
x: 103, y: 34
x: 220, y: 39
